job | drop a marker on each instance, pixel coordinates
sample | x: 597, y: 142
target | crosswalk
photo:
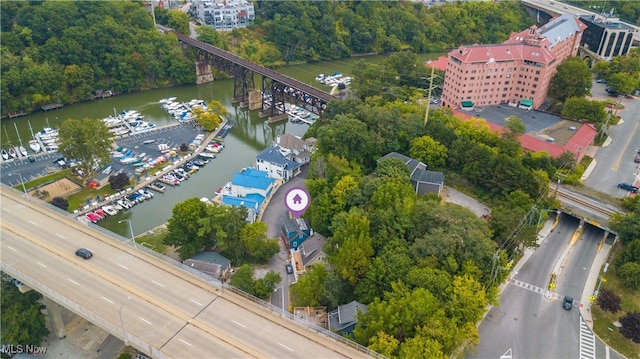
x: 587, y: 342
x: 527, y: 286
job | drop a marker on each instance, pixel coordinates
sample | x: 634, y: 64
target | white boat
x: 13, y: 153
x: 35, y: 146
x: 52, y: 148
x: 207, y: 155
x: 23, y: 151
x: 109, y: 210
x: 5, y: 155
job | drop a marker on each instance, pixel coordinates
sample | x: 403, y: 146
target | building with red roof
x: 517, y: 72
x: 439, y: 64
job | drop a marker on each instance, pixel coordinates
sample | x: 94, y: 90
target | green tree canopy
x: 89, y: 140
x: 572, y: 79
x: 22, y: 322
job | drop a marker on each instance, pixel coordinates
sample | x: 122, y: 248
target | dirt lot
x: 60, y: 188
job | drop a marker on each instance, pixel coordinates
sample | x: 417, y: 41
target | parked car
x: 628, y: 187
x: 84, y: 253
x: 601, y: 81
x: 289, y: 268
x: 637, y: 159
x: 567, y: 303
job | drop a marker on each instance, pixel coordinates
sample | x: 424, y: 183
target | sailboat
x: 23, y: 151
x: 35, y: 146
x: 5, y: 155
x: 12, y: 152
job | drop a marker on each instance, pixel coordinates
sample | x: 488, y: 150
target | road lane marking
x: 59, y: 235
x: 41, y: 265
x: 238, y: 323
x: 187, y: 343
x: 5, y: 209
x: 195, y: 302
x: 13, y: 249
x: 144, y: 320
x: 122, y: 266
x: 158, y: 284
x: 624, y: 149
x: 587, y: 343
x: 284, y: 346
x: 32, y: 222
x: 73, y: 281
x: 108, y: 300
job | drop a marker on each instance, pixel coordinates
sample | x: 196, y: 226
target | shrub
x: 60, y: 203
x: 184, y: 147
x: 631, y: 326
x: 609, y: 301
x: 119, y: 181
x: 629, y: 273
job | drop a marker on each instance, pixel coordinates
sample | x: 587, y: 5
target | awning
x: 526, y: 103
x: 467, y: 104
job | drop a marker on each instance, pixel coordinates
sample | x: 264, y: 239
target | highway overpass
x: 553, y: 7
x: 152, y: 304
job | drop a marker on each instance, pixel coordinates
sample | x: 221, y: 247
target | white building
x: 225, y: 15
x: 284, y: 159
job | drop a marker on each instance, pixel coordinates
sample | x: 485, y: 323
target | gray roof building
x: 345, y: 318
x: 210, y: 263
x: 423, y: 180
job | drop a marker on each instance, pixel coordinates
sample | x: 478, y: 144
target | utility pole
x: 426, y: 112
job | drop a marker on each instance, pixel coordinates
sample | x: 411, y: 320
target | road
x: 530, y: 322
x: 167, y: 308
x: 615, y: 160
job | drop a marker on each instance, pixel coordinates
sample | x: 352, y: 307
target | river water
x: 249, y: 136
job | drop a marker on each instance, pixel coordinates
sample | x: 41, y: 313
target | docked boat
x: 13, y: 153
x: 5, y: 155
x: 35, y: 146
x: 158, y: 187
x: 109, y: 210
x: 207, y: 155
x: 23, y: 151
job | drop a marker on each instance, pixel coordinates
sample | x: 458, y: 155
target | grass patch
x: 79, y: 199
x: 154, y: 241
x: 43, y: 180
x: 603, y: 320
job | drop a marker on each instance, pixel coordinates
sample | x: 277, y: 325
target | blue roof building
x: 249, y: 189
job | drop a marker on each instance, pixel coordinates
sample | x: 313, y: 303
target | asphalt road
x: 615, y: 161
x: 530, y: 322
x: 163, y: 306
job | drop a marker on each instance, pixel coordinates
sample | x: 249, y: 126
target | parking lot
x: 171, y: 136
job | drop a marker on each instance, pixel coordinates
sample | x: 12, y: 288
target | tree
x: 515, y: 125
x: 629, y: 227
x: 629, y: 273
x: 431, y: 152
x: 22, y: 322
x: 178, y: 21
x: 254, y: 238
x: 243, y: 279
x: 119, y: 181
x: 623, y: 83
x: 207, y: 120
x: 263, y: 287
x: 308, y: 290
x: 89, y: 140
x: 353, y: 256
x: 393, y: 168
x: 572, y: 79
x: 579, y: 108
x: 60, y: 203
x: 631, y: 326
x: 183, y: 228
x: 608, y: 300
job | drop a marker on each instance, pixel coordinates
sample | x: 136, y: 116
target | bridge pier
x: 203, y: 72
x: 57, y: 322
x: 255, y: 100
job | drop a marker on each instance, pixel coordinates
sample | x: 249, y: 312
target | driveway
x: 274, y: 214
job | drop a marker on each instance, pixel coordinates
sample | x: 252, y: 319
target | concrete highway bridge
x: 154, y: 304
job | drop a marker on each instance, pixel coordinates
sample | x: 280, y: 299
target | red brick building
x: 517, y: 72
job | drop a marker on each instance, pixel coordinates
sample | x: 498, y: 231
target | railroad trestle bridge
x: 276, y: 88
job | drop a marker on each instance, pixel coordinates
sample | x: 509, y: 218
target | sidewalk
x: 592, y: 282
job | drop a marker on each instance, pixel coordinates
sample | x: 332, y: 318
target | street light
x: 124, y: 332
x: 133, y: 238
x: 282, y: 295
x: 24, y: 189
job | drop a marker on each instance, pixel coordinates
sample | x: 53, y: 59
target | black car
x: 84, y: 253
x: 289, y: 268
x: 567, y: 303
x: 628, y: 187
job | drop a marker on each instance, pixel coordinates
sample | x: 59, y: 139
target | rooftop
x: 253, y: 179
x: 272, y: 155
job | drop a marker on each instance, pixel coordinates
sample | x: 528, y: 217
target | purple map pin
x: 297, y: 201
